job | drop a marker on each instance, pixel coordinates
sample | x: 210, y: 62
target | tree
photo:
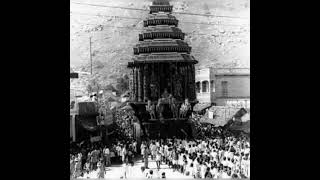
x: 93, y: 86
x: 110, y: 87
x: 122, y: 84
x: 98, y: 64
x: 126, y: 77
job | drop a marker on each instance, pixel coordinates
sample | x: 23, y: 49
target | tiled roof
x: 221, y: 115
x: 201, y: 106
x: 245, y: 126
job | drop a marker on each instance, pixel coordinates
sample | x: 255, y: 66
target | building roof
x: 221, y: 115
x: 217, y: 121
x: 245, y: 117
x: 245, y: 127
x: 201, y: 106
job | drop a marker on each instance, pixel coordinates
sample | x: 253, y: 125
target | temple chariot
x: 162, y: 77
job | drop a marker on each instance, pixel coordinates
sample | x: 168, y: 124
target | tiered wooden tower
x: 162, y: 80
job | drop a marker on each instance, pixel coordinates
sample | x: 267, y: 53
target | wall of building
x: 202, y: 74
x: 204, y: 97
x: 238, y: 86
x: 238, y: 90
x: 233, y: 102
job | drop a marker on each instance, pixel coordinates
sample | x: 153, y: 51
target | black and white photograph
x: 159, y: 89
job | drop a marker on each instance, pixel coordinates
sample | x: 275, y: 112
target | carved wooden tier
x: 160, y: 19
x: 155, y: 80
x: 162, y: 45
x: 160, y: 2
x: 159, y: 5
x: 161, y: 31
x: 162, y: 57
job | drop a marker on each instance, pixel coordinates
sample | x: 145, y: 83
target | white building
x: 224, y: 86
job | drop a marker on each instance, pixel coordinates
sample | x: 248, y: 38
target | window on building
x: 224, y: 85
x: 212, y: 87
x: 205, y: 86
x: 198, y: 87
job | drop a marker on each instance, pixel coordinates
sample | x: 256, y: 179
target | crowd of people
x: 219, y: 157
x: 87, y: 157
x: 216, y: 157
x: 215, y: 153
x: 124, y: 120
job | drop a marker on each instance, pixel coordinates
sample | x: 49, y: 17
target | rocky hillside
x: 217, y: 30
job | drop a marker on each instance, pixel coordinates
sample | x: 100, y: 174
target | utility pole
x: 73, y: 120
x: 90, y: 55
